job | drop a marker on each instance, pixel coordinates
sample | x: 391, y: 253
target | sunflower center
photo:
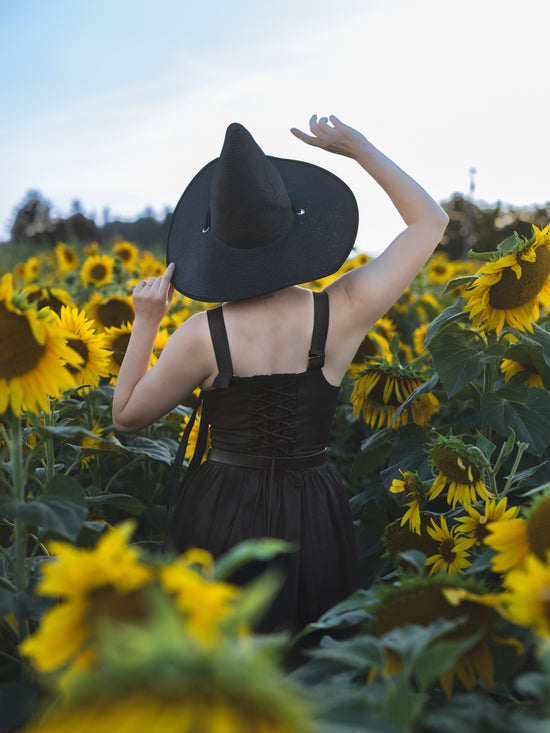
x: 20, y: 353
x: 120, y: 344
x: 98, y: 272
x: 124, y: 254
x: 82, y: 350
x: 424, y: 605
x: 446, y: 550
x: 107, y: 602
x: 410, y: 490
x: 511, y: 292
x: 446, y: 461
x: 49, y: 300
x: 115, y: 313
x: 366, y: 349
x: 537, y: 529
x: 481, y: 531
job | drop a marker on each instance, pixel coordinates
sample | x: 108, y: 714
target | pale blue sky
x: 119, y: 103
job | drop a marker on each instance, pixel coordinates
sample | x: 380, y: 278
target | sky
x: 118, y: 104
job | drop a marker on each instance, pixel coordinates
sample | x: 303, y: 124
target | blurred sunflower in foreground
x: 111, y: 585
x: 153, y: 646
x: 33, y: 354
x: 506, y: 291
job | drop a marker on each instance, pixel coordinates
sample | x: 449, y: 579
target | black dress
x: 266, y: 475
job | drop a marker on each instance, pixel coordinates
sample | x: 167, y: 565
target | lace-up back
x: 267, y: 428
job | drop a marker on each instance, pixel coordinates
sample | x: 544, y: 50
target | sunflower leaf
x: 457, y: 282
x: 458, y: 358
x: 539, y: 338
x: 449, y: 315
x: 523, y: 409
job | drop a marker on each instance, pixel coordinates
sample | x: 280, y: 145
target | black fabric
x: 316, y: 358
x: 218, y: 333
x: 220, y: 505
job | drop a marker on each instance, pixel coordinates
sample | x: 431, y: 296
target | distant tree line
x: 473, y: 225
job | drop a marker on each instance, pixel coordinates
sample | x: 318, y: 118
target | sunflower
x: 476, y: 525
x: 171, y: 711
x: 514, y: 539
x: 423, y: 601
x: 440, y: 268
x: 507, y: 290
x: 33, y: 352
x: 94, y: 585
x: 150, y: 266
x: 127, y: 253
x: 205, y: 604
x: 374, y: 344
x: 459, y: 465
x: 54, y: 298
x: 97, y: 270
x: 528, y: 595
x: 452, y: 556
x: 88, y: 345
x: 114, y: 310
x: 193, y: 436
x: 67, y: 259
x: 399, y: 538
x: 418, y: 338
x: 31, y: 269
x: 509, y: 367
x: 381, y: 387
x: 412, y: 486
x: 116, y: 340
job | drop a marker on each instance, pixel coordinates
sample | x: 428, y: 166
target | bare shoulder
x: 190, y: 346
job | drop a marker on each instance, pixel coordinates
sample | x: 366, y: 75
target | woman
x: 247, y: 230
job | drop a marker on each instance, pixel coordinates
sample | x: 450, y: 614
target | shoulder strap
x: 218, y: 334
x: 320, y: 328
x: 175, y: 469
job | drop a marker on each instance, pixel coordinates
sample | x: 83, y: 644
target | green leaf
x: 540, y: 338
x: 416, y: 558
x: 158, y: 450
x: 262, y: 550
x: 361, y: 652
x: 427, y: 386
x: 458, y: 358
x: 123, y: 501
x: 61, y: 510
x: 17, y: 703
x: 525, y: 410
x: 457, y: 282
x: 444, y: 319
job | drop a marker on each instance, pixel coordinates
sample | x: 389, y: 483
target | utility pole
x: 469, y: 215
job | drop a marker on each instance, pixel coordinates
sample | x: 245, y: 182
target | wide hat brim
x: 316, y: 245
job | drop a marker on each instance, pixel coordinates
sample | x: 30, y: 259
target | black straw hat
x: 249, y: 224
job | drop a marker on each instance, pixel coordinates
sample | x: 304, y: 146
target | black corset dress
x: 266, y: 476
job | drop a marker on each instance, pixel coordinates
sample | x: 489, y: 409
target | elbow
x: 123, y: 426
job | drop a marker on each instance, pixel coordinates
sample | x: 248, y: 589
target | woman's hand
x: 332, y: 135
x: 152, y: 297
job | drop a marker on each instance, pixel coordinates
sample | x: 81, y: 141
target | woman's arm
x: 362, y: 295
x: 143, y: 395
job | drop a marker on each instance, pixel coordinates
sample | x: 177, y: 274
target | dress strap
x: 316, y: 359
x: 218, y: 334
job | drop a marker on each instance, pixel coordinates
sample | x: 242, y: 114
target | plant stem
x: 522, y: 447
x: 16, y: 453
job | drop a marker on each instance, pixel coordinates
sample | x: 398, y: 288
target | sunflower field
x: 442, y: 439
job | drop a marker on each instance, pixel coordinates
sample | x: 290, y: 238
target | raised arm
x: 143, y: 395
x: 362, y: 295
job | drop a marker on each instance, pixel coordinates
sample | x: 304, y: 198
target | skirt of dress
x: 220, y: 506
